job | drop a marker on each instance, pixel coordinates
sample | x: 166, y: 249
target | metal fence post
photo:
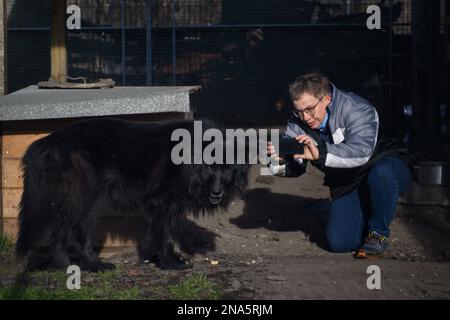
x: 390, y: 104
x: 148, y: 35
x: 174, y: 52
x: 122, y: 26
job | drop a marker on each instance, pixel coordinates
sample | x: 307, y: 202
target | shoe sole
x: 369, y: 255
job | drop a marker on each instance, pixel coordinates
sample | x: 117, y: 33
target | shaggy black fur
x: 77, y: 173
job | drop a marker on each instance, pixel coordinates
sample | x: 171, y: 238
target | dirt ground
x: 271, y: 245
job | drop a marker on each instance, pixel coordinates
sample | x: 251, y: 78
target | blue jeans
x: 370, y: 207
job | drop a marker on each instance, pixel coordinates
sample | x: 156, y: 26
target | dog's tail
x: 32, y: 219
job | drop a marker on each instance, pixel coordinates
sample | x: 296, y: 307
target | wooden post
x: 58, y: 42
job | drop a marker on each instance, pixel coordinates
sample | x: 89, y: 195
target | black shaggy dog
x: 77, y: 173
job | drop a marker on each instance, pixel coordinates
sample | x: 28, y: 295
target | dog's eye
x: 206, y: 172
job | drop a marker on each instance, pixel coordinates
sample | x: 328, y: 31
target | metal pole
x: 148, y: 14
x: 174, y: 52
x: 349, y: 6
x: 436, y: 63
x: 122, y: 26
x: 390, y: 104
x: 447, y: 69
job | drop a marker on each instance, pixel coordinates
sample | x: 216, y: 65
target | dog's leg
x: 172, y: 260
x: 158, y: 244
x: 89, y: 260
x: 59, y: 258
x: 148, y: 246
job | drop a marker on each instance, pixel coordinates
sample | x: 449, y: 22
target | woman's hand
x: 311, y: 150
x: 272, y: 153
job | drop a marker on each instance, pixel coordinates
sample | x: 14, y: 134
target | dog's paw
x: 176, y: 265
x: 171, y: 262
x: 105, y: 266
x: 98, y: 267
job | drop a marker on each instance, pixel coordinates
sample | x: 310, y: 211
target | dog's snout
x: 216, y: 193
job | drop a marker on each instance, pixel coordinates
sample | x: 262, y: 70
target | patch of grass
x: 6, y: 247
x: 85, y: 293
x: 55, y: 278
x: 105, y: 281
x: 7, y: 255
x: 110, y: 285
x: 110, y: 275
x: 196, y: 287
x: 45, y: 285
x: 127, y: 294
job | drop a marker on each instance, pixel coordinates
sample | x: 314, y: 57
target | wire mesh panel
x: 28, y: 42
x: 243, y: 52
x: 95, y: 54
x: 28, y: 58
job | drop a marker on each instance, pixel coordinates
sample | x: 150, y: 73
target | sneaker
x: 375, y: 245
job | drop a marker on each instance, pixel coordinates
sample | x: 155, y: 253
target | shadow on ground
x: 283, y: 212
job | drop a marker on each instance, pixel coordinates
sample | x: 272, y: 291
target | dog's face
x: 216, y: 185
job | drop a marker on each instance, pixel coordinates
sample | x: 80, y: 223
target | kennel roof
x: 32, y: 103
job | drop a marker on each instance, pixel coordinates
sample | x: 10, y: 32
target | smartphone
x: 290, y: 146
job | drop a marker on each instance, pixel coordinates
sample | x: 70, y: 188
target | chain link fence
x: 243, y: 52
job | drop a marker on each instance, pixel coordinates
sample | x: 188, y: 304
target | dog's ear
x: 241, y: 173
x: 195, y: 179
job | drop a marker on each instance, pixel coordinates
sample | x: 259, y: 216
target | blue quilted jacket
x: 354, y: 126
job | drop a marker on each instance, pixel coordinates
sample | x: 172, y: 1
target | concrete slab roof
x: 32, y: 103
